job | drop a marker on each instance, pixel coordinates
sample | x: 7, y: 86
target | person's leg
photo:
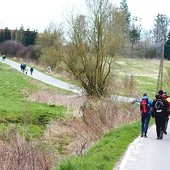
x: 157, y: 127
x: 142, y: 124
x: 166, y: 125
x: 147, y: 119
x: 162, y: 126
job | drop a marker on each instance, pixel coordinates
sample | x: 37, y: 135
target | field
x: 38, y: 110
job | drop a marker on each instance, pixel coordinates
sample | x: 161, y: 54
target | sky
x: 37, y: 14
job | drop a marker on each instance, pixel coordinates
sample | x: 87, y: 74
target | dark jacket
x: 164, y: 111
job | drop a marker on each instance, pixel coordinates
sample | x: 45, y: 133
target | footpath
x: 45, y: 78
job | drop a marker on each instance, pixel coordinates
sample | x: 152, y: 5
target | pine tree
x: 127, y: 15
x: 167, y: 48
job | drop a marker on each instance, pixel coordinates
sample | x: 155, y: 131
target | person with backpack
x: 145, y: 105
x: 165, y: 96
x: 160, y: 112
x: 31, y: 70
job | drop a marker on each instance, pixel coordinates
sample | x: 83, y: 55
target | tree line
x: 91, y: 44
x: 25, y: 37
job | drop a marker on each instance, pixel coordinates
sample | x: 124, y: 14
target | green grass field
x: 14, y: 107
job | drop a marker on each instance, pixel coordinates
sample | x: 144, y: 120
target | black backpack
x: 158, y: 106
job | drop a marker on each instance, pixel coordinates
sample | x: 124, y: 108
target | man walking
x: 160, y: 112
x: 165, y: 96
x: 145, y: 105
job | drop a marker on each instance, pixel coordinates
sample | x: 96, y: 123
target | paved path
x: 45, y: 78
x: 147, y: 153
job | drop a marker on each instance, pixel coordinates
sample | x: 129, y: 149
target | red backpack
x: 144, y: 106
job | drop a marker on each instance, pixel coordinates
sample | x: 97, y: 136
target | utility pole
x: 162, y: 23
x: 160, y: 74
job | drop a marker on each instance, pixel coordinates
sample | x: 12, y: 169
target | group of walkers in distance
x: 159, y: 109
x: 25, y: 70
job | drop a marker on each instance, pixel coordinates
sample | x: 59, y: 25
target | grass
x: 106, y: 152
x: 144, y: 72
x: 15, y: 109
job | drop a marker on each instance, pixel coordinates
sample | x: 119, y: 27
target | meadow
x: 16, y: 109
x: 34, y: 117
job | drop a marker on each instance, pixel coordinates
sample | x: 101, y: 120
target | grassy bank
x: 104, y: 154
x: 16, y: 109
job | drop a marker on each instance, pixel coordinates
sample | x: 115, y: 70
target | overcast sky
x: 37, y: 14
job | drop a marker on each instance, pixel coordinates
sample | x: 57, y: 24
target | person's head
x: 165, y: 93
x: 160, y: 92
x: 144, y: 94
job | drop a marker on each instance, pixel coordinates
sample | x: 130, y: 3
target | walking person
x: 31, y: 70
x: 165, y: 96
x: 49, y: 69
x: 160, y: 112
x: 145, y: 106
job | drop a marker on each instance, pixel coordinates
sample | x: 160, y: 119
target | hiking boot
x: 165, y: 132
x: 161, y: 135
x: 157, y: 138
x: 142, y: 135
x: 145, y: 136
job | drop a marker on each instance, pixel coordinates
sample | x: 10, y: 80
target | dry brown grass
x: 18, y: 154
x: 97, y: 118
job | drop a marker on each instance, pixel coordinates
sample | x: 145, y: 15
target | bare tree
x: 160, y: 29
x: 95, y: 40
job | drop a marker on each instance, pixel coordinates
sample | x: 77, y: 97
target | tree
x: 94, y: 43
x: 20, y: 35
x: 7, y: 34
x: 127, y: 15
x: 167, y: 48
x: 160, y: 34
x: 29, y: 37
x: 160, y: 29
x: 50, y: 44
x: 134, y: 33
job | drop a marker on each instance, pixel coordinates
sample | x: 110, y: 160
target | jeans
x: 145, y: 118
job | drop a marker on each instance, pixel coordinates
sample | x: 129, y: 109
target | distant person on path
x: 165, y: 96
x: 145, y: 106
x: 3, y: 57
x: 49, y: 69
x: 23, y: 67
x: 160, y: 112
x: 31, y: 70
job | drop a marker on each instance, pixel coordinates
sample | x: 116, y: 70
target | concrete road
x: 45, y: 78
x: 147, y: 153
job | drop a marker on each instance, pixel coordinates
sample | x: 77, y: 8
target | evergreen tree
x: 6, y: 34
x: 127, y: 15
x: 167, y: 48
x: 20, y: 35
x: 29, y: 37
x: 135, y: 32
